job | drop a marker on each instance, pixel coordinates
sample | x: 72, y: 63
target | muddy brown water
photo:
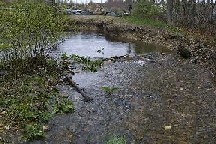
x: 161, y: 98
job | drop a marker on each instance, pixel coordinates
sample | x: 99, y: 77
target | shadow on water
x: 139, y: 47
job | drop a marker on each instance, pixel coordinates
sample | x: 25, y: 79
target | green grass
x: 146, y: 21
x: 153, y: 23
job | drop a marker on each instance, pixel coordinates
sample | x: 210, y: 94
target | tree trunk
x: 169, y: 11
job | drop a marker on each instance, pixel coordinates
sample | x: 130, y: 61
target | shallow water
x: 154, y: 92
x: 98, y: 45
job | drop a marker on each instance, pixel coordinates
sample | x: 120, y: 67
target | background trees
x: 147, y: 9
x: 188, y: 13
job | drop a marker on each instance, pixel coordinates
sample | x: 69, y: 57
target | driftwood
x: 79, y: 90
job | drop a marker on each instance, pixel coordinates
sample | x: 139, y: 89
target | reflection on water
x: 97, y: 45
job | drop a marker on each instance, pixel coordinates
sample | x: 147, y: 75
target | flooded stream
x: 161, y: 98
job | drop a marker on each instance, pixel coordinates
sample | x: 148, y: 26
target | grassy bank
x: 145, y: 22
x: 184, y: 31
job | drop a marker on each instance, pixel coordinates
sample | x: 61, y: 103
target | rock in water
x: 184, y: 52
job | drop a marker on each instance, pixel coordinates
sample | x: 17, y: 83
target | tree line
x: 189, y: 13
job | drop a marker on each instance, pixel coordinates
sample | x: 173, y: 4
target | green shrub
x: 146, y: 9
x: 28, y: 27
x: 28, y: 96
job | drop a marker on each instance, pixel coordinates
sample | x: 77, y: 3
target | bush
x: 28, y: 27
x: 146, y: 9
x: 28, y: 96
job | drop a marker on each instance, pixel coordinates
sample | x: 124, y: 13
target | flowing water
x: 161, y: 98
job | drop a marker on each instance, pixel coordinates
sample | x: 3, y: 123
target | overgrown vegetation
x: 147, y: 9
x: 28, y: 27
x: 31, y: 100
x: 88, y: 64
x: 28, y: 96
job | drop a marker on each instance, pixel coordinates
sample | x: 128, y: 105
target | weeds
x: 88, y: 64
x: 109, y: 90
x: 28, y: 97
x: 116, y: 140
x: 33, y: 131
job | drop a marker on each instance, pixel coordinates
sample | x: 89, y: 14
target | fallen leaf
x: 167, y: 127
x: 45, y: 128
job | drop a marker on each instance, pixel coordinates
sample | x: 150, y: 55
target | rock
x: 167, y: 127
x: 184, y: 52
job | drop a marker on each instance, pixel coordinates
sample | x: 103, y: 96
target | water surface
x: 98, y: 45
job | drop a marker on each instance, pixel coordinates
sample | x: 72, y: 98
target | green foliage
x: 146, y: 9
x: 28, y: 27
x: 88, y: 64
x: 31, y: 99
x: 31, y: 65
x: 28, y: 97
x: 116, y: 140
x: 146, y: 21
x: 109, y: 90
x: 33, y: 131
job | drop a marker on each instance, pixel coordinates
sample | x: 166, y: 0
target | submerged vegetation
x: 88, y: 64
x: 109, y: 90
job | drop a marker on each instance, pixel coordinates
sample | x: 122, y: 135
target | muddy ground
x: 160, y: 99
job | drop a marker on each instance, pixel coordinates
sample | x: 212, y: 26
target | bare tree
x: 169, y: 11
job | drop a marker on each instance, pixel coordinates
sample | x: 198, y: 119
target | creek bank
x: 154, y: 91
x: 202, y: 51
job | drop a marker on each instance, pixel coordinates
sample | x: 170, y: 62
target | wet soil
x: 160, y: 99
